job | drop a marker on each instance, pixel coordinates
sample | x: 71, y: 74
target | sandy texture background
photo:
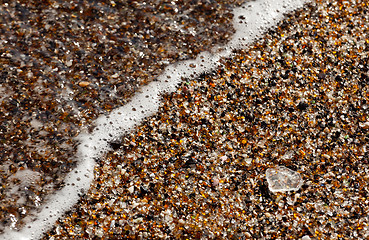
x: 298, y: 97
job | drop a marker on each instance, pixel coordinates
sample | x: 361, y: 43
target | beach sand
x: 65, y: 63
x: 297, y: 97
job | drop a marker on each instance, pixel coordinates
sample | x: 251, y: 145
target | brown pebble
x: 83, y: 84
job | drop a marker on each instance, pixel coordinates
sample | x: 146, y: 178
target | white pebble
x: 131, y: 189
x: 282, y: 179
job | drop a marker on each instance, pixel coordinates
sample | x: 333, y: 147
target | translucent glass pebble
x: 282, y: 179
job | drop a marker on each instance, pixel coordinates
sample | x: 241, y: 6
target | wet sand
x: 65, y: 63
x: 298, y: 97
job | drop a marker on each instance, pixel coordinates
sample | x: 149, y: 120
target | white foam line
x: 258, y: 17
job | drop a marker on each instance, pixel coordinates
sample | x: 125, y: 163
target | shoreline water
x: 197, y: 168
x: 95, y: 144
x: 64, y: 64
x: 217, y: 188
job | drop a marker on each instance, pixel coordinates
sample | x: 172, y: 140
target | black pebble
x: 302, y: 106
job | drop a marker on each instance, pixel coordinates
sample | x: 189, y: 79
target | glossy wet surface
x: 65, y: 63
